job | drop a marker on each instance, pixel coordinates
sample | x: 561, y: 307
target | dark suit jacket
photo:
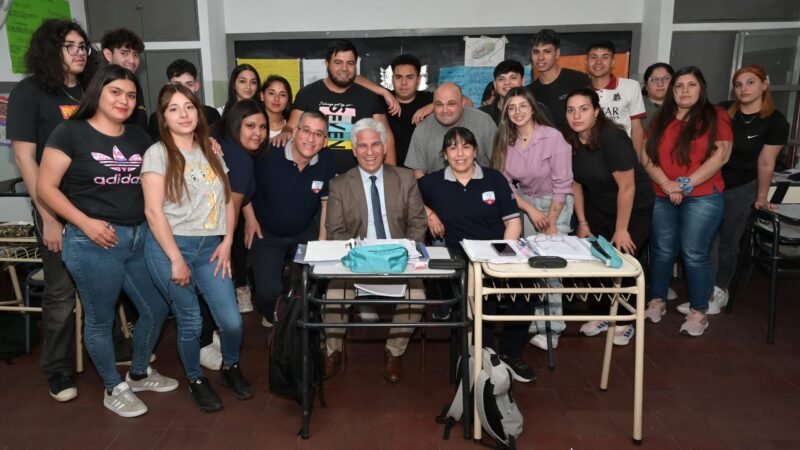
x: 346, y: 216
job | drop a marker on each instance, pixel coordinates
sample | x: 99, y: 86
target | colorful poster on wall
x: 578, y: 62
x: 287, y: 68
x: 24, y: 18
x: 472, y: 80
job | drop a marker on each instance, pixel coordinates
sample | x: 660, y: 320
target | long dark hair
x: 112, y: 72
x: 277, y: 78
x: 175, y: 181
x: 43, y: 60
x: 507, y: 133
x: 649, y: 71
x: 230, y: 125
x: 701, y: 118
x: 232, y: 83
x: 601, y: 123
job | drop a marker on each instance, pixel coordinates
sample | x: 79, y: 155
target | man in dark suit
x: 375, y: 201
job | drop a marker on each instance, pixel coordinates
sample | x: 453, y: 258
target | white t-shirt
x: 622, y: 101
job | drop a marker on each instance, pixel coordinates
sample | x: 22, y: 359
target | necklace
x: 71, y: 97
x: 747, y: 122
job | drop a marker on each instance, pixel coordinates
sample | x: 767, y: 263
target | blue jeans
x: 688, y: 228
x: 100, y: 274
x: 217, y: 292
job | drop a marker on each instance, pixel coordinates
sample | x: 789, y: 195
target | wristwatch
x: 683, y: 182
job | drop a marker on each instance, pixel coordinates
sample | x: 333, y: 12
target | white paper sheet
x: 484, y: 51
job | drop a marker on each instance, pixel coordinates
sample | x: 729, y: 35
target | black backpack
x: 12, y: 335
x: 286, y: 362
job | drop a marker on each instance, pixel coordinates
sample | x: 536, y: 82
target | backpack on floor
x: 499, y: 415
x: 286, y: 361
x: 12, y: 335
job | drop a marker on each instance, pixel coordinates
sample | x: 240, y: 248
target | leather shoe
x: 393, y: 371
x: 332, y: 363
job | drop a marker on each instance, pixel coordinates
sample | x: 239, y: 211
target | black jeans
x: 58, y: 310
x: 269, y: 254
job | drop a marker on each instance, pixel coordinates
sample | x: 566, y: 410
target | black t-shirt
x: 401, y: 126
x: 102, y: 180
x: 343, y: 110
x: 33, y: 113
x: 554, y: 95
x: 750, y: 134
x: 593, y: 169
x: 212, y: 117
x: 139, y: 115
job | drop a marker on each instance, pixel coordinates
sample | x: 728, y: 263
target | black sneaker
x: 204, y: 395
x: 62, y: 389
x: 233, y: 378
x: 519, y: 370
x: 441, y: 313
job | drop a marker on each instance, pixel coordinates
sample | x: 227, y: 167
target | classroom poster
x: 386, y: 78
x: 484, y: 51
x: 24, y: 18
x: 472, y: 80
x: 578, y: 62
x: 287, y: 68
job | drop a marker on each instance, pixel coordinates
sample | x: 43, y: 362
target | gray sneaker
x: 123, y: 402
x: 154, y: 382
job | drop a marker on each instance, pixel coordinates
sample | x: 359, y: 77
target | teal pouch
x: 605, y: 252
x: 381, y: 258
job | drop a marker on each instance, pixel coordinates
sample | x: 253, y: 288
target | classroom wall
x: 259, y: 16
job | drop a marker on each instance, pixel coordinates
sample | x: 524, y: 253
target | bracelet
x: 586, y: 224
x: 683, y: 182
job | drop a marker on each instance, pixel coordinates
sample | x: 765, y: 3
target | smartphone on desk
x: 503, y: 249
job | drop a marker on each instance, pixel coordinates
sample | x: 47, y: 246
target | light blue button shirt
x: 371, y: 234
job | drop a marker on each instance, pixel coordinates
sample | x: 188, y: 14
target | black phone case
x: 444, y: 264
x: 547, y: 262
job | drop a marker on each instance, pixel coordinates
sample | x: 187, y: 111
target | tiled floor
x: 726, y: 390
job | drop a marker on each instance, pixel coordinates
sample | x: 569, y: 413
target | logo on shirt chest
x: 119, y: 163
x: 488, y: 197
x: 67, y: 110
x: 316, y: 186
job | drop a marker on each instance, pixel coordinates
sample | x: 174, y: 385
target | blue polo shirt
x: 287, y: 199
x: 240, y: 168
x: 475, y: 211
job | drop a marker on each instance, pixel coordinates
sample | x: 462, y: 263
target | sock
x: 137, y: 376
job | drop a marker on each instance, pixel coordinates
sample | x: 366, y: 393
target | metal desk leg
x: 478, y: 337
x: 609, y: 340
x: 305, y: 397
x: 467, y: 398
x: 638, y: 378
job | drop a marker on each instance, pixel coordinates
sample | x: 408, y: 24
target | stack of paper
x: 571, y: 248
x: 381, y: 290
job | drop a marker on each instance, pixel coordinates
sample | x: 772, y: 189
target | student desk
x: 313, y: 275
x: 631, y: 299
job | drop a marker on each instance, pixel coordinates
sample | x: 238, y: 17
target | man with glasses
x: 123, y: 48
x: 291, y: 195
x: 620, y: 98
x: 343, y: 102
x: 375, y: 201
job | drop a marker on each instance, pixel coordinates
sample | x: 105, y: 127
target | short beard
x: 340, y: 83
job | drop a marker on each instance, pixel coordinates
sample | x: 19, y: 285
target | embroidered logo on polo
x: 118, y: 163
x: 488, y: 197
x: 316, y: 186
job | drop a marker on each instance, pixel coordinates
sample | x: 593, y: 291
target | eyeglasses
x: 75, y: 49
x: 656, y: 80
x: 522, y: 107
x: 318, y: 135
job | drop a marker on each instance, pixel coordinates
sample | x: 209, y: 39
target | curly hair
x: 44, y: 61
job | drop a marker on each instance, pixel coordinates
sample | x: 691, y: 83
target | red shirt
x: 697, y: 151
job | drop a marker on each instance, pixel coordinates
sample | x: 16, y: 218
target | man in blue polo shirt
x: 290, y: 197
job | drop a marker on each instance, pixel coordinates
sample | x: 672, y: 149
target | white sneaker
x: 623, y: 334
x: 123, y: 402
x: 656, y: 308
x: 540, y: 341
x: 671, y: 294
x: 210, y: 357
x: 367, y: 313
x: 718, y: 301
x: 154, y: 382
x: 533, y: 328
x: 244, y: 299
x: 695, y: 324
x: 266, y: 323
x: 594, y: 327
